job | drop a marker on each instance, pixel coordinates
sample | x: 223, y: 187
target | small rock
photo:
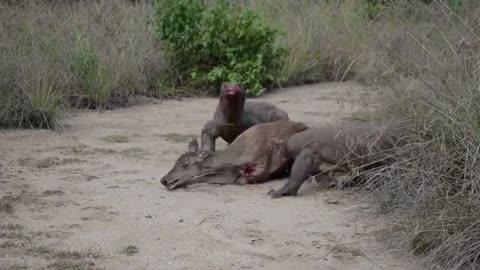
x: 180, y: 220
x: 91, y: 177
x: 149, y: 216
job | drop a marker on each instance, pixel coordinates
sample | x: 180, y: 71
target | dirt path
x: 89, y: 197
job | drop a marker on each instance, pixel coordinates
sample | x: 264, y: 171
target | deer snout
x: 170, y: 184
x: 166, y: 181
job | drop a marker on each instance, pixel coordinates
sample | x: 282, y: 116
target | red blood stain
x: 247, y: 170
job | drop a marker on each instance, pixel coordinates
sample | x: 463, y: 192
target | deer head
x: 194, y: 166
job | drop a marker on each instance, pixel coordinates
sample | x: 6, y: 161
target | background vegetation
x: 213, y: 43
x: 420, y: 57
x: 93, y: 54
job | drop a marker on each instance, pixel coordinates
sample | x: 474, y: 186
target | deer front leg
x: 301, y: 170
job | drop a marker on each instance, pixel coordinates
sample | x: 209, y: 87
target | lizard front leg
x: 210, y: 133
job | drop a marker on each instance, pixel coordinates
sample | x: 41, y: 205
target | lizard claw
x: 274, y: 194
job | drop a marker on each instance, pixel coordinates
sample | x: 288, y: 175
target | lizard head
x: 232, y: 100
x: 231, y: 89
x: 232, y: 92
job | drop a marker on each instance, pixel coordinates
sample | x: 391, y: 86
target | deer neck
x: 220, y: 161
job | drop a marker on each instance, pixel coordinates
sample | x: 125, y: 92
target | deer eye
x: 185, y: 165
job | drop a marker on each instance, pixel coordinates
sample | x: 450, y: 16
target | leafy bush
x: 221, y: 42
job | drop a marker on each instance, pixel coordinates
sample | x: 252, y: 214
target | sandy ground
x: 89, y: 197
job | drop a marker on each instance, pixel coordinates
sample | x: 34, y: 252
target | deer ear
x: 193, y: 145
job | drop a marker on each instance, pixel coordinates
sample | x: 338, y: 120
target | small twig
x: 202, y: 221
x: 371, y: 261
x: 334, y: 246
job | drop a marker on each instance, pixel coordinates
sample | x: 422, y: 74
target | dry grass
x: 324, y: 40
x: 65, y: 260
x: 428, y: 61
x: 425, y: 60
x: 17, y: 242
x: 94, y: 54
x: 130, y: 250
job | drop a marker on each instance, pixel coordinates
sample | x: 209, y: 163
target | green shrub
x: 219, y: 42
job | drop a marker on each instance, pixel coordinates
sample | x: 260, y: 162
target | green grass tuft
x: 115, y: 139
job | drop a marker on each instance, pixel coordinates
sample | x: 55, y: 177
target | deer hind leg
x: 302, y: 168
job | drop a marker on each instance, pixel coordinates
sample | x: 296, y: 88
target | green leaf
x: 194, y: 75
